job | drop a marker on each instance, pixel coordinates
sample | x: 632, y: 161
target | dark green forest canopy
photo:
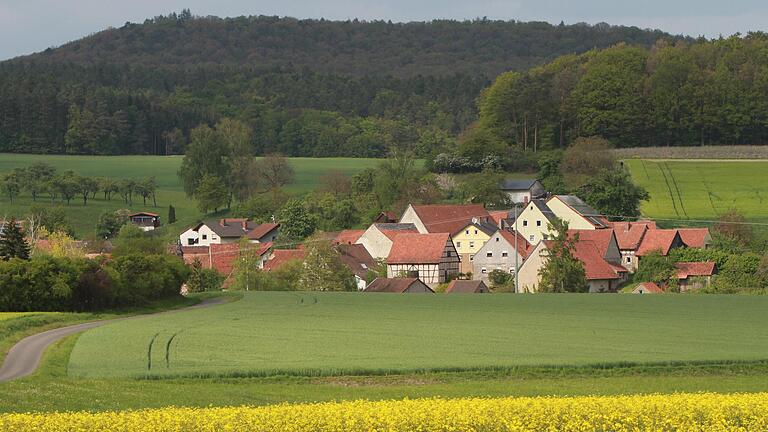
x: 673, y: 93
x: 306, y: 87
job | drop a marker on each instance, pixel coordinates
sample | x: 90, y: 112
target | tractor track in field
x: 23, y: 358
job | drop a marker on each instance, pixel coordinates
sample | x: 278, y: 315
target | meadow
x: 164, y: 168
x: 311, y: 334
x: 702, y: 190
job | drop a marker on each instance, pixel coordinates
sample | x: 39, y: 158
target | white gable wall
x: 410, y: 216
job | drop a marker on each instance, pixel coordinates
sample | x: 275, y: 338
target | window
x: 458, y: 244
x: 449, y: 253
x: 484, y: 271
x: 365, y: 267
x: 497, y: 239
x: 512, y: 270
x: 531, y: 239
x: 538, y: 223
x: 475, y: 232
x: 489, y: 254
x: 504, y: 254
x: 471, y: 244
x: 629, y: 259
x: 467, y: 231
x: 205, y: 236
x: 471, y: 257
x: 531, y: 207
x: 525, y: 223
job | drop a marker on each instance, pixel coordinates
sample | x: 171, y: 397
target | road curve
x: 24, y: 357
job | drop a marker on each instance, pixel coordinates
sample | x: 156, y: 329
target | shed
x: 398, y: 285
x: 467, y: 287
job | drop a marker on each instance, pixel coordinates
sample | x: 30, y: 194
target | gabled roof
x: 517, y: 184
x: 418, y: 248
x: 658, y: 240
x: 356, y: 258
x: 392, y: 230
x: 524, y: 247
x: 466, y: 286
x: 650, y: 287
x: 220, y: 257
x: 582, y: 208
x: 347, y: 237
x: 262, y: 230
x: 546, y: 211
x: 687, y: 269
x: 281, y: 256
x: 393, y: 285
x: 601, y: 238
x: 630, y: 234
x: 694, y: 237
x: 595, y: 266
x: 446, y: 218
x: 483, y: 225
x: 226, y: 228
x: 143, y: 214
x: 498, y: 215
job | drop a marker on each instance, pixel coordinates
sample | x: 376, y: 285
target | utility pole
x: 517, y: 255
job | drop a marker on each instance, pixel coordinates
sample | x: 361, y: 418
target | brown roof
x: 595, y: 266
x: 694, y: 237
x: 630, y: 234
x: 440, y: 218
x: 392, y: 285
x: 282, y: 256
x: 522, y: 243
x: 466, y: 286
x: 418, y: 248
x: 261, y: 230
x: 356, y: 258
x: 220, y: 257
x: 687, y: 269
x: 650, y: 287
x: 143, y: 214
x: 660, y: 240
x: 600, y: 237
x: 347, y: 237
x: 392, y: 230
x: 498, y: 215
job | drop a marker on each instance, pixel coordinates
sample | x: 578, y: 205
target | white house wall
x: 410, y: 216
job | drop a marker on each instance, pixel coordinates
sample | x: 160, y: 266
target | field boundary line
x: 677, y: 189
x: 669, y: 189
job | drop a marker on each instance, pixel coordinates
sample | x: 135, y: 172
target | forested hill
x: 306, y: 87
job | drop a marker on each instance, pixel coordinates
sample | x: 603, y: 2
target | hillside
x: 140, y: 88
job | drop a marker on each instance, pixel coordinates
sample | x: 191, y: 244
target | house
x: 694, y: 275
x: 442, y: 218
x: 605, y: 241
x: 280, y: 257
x: 576, y: 212
x: 647, y: 288
x: 659, y: 240
x: 398, y: 285
x: 347, y: 237
x: 533, y: 221
x: 467, y: 287
x: 698, y: 238
x: 470, y: 238
x: 377, y: 239
x: 145, y: 221
x: 498, y: 217
x: 430, y: 257
x: 358, y: 260
x: 228, y: 230
x: 385, y: 217
x: 601, y: 275
x: 522, y: 190
x: 629, y: 235
x: 499, y: 253
x: 222, y: 257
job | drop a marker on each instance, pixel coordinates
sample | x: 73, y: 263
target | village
x: 457, y: 248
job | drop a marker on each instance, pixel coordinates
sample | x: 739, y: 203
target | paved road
x: 24, y: 357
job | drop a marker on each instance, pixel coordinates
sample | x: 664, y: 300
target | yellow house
x: 532, y: 222
x: 576, y: 212
x: 470, y: 239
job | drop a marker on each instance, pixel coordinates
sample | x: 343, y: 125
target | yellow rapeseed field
x: 678, y: 412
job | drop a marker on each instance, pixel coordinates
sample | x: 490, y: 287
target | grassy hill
x: 702, y: 189
x: 273, y: 333
x: 164, y: 168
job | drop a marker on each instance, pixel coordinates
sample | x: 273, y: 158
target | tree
x: 561, y: 271
x: 109, y: 224
x: 296, y: 222
x: 611, y: 192
x: 246, y: 267
x: 656, y: 268
x: 126, y: 188
x: 52, y: 219
x: 323, y: 269
x: 211, y: 194
x: 501, y: 281
x: 206, y: 154
x: 273, y: 172
x: 484, y: 188
x: 336, y: 183
x: 12, y: 241
x: 36, y: 176
x: 109, y: 186
x: 87, y: 186
x: 733, y: 226
x: 66, y: 185
x: 171, y: 214
x: 202, y: 280
x: 147, y: 188
x: 585, y: 158
x: 11, y: 185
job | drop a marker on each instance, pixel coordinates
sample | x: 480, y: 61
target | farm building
x: 347, y: 237
x: 647, y: 288
x: 221, y: 257
x: 576, y: 212
x: 467, y: 287
x: 470, y: 238
x: 228, y: 230
x: 145, y: 221
x: 442, y: 218
x: 499, y: 253
x: 659, y: 240
x: 694, y: 275
x: 385, y: 217
x: 430, y: 257
x: 698, y: 238
x: 398, y: 285
x: 522, y: 190
x: 629, y: 235
x: 377, y: 239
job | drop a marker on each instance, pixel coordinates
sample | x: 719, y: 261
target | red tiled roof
x: 630, y: 234
x: 418, y: 248
x: 498, y: 215
x: 347, y: 237
x: 393, y: 285
x: 694, y: 237
x: 281, y: 256
x: 686, y: 269
x: 657, y: 240
x: 522, y: 244
x: 595, y: 267
x: 438, y: 218
x: 600, y: 237
x: 650, y: 287
x: 392, y: 233
x: 466, y: 286
x: 220, y: 257
x: 143, y: 213
x: 261, y: 230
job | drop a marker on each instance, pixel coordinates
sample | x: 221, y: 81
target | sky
x: 28, y: 26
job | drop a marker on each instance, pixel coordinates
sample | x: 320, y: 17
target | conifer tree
x: 12, y: 242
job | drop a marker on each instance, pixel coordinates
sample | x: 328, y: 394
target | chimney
x: 245, y: 225
x: 223, y: 222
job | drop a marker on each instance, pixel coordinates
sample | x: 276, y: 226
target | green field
x: 702, y: 190
x: 164, y: 168
x: 350, y: 333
